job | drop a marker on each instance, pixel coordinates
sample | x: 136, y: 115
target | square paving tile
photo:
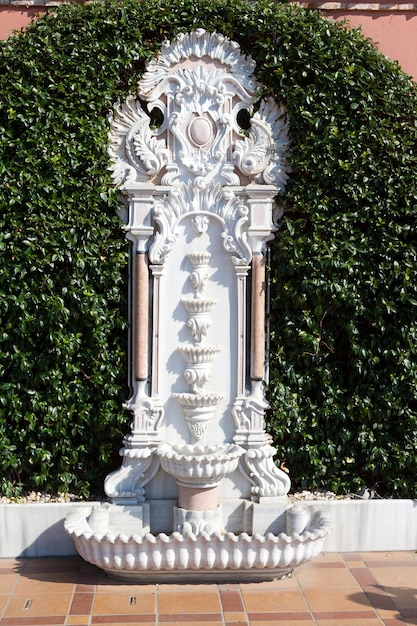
x: 278, y: 601
x: 349, y: 622
x: 40, y: 604
x: 124, y: 603
x: 7, y: 583
x: 326, y: 577
x: 51, y: 583
x: 337, y: 599
x: 394, y: 577
x: 188, y: 601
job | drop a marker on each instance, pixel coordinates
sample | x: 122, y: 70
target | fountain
x: 198, y: 495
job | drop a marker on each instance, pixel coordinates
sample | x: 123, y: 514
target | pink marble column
x: 141, y: 317
x: 197, y: 499
x: 257, y: 362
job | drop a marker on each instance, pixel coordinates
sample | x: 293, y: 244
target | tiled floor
x: 357, y: 589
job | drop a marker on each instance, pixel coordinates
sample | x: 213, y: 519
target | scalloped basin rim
x: 72, y: 528
x: 200, y: 453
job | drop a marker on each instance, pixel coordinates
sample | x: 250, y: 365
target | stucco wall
x: 394, y: 32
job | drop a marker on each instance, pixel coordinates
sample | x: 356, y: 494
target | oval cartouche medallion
x: 200, y: 131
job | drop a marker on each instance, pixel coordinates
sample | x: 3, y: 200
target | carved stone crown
x: 196, y: 89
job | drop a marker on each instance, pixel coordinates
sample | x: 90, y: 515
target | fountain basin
x: 192, y: 558
x: 199, y: 466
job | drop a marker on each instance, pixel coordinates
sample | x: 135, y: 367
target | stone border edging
x: 36, y: 530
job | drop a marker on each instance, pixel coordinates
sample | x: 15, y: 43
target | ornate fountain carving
x: 199, y: 494
x: 198, y: 406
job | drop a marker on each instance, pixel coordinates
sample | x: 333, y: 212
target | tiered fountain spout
x: 198, y: 495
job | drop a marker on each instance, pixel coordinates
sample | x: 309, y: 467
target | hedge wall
x: 344, y: 294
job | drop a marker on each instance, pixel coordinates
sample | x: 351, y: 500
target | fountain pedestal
x: 198, y: 495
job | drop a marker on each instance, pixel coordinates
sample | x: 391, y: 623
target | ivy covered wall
x: 343, y: 373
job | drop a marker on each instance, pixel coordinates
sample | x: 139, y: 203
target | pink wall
x: 16, y: 18
x: 395, y: 32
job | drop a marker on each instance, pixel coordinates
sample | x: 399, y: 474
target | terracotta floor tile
x: 278, y: 617
x: 78, y: 620
x: 203, y: 588
x: 364, y: 577
x: 286, y: 623
x: 329, y: 558
x: 278, y: 601
x: 349, y: 622
x: 336, y: 599
x: 389, y: 556
x: 123, y: 603
x: 231, y: 601
x: 44, y: 620
x: 217, y: 623
x: 191, y: 619
x: 394, y: 577
x: 350, y: 556
x: 324, y: 577
x: 235, y: 617
x: 384, y: 614
x: 58, y: 564
x: 379, y: 599
x: 85, y: 588
x: 188, y: 602
x: 45, y: 604
x: 323, y: 565
x: 81, y: 604
x: 341, y: 589
x: 8, y: 582
x: 3, y: 601
x: 405, y: 599
x: 46, y: 584
x: 347, y: 616
x: 118, y: 620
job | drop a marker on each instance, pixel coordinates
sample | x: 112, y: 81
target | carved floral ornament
x: 198, y: 85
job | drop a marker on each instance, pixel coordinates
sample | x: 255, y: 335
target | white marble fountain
x: 199, y: 495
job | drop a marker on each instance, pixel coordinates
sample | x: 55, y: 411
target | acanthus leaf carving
x: 135, y: 152
x: 147, y: 414
x: 266, y: 478
x: 201, y: 201
x: 128, y: 482
x: 262, y: 155
x: 199, y: 44
x: 257, y: 464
